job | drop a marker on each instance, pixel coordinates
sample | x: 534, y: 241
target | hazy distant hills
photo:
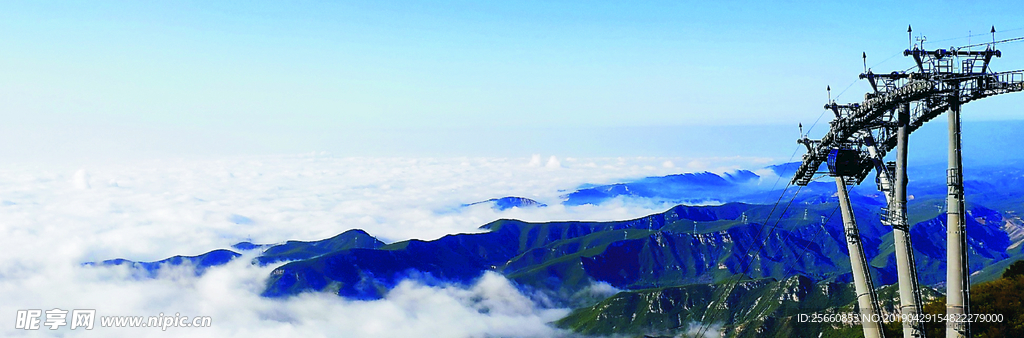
x: 688, y: 188
x: 199, y: 262
x: 698, y: 187
x: 509, y: 202
x: 792, y: 257
x: 291, y: 250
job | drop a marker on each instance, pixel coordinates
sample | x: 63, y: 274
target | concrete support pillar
x: 957, y: 272
x: 910, y: 296
x: 866, y: 299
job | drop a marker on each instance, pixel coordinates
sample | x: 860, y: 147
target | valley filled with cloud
x: 56, y: 218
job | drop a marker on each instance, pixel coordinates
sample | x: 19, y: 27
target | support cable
x: 783, y: 194
x: 991, y: 43
x: 814, y: 239
x: 706, y: 325
x: 985, y: 34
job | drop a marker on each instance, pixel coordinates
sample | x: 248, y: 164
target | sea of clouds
x: 53, y: 219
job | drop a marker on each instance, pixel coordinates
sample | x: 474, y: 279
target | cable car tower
x: 863, y: 133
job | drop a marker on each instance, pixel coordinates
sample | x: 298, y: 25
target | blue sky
x: 347, y: 77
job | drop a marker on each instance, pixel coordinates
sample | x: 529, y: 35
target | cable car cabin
x: 844, y: 162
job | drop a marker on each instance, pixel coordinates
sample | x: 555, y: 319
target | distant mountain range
x: 693, y: 187
x: 509, y: 202
x: 687, y: 188
x: 288, y: 251
x: 669, y: 264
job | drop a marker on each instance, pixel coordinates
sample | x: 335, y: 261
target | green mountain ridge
x: 752, y: 308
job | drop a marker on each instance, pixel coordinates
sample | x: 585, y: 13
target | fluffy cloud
x: 53, y: 219
x: 230, y: 295
x: 553, y: 162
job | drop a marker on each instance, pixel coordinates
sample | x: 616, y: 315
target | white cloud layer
x: 51, y: 220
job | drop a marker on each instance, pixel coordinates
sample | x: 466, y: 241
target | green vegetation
x: 1004, y: 296
x: 1015, y: 269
